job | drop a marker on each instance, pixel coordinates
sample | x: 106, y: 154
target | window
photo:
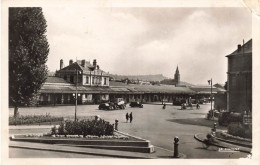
x: 105, y: 81
x: 87, y: 81
x: 72, y: 79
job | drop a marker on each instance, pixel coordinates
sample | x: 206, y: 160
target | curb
x: 235, y: 143
x: 80, y: 152
x: 224, y: 133
x: 217, y: 145
x: 126, y: 134
x: 141, y: 146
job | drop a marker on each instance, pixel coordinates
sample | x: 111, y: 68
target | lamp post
x: 210, y: 83
x: 76, y: 103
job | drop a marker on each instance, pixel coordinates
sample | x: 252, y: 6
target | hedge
x: 240, y: 130
x: 33, y: 119
x: 84, y: 127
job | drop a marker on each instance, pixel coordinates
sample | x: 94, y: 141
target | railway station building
x: 93, y: 86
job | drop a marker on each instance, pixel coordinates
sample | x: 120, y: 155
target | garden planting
x: 84, y: 128
x: 34, y: 119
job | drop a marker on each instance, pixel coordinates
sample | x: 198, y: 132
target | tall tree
x: 28, y: 53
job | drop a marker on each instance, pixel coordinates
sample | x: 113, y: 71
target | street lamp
x: 210, y: 83
x: 76, y: 103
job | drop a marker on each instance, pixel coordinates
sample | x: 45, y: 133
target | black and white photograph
x: 130, y: 82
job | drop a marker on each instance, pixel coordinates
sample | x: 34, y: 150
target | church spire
x: 177, y: 75
x: 177, y: 70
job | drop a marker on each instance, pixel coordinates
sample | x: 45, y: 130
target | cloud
x: 149, y: 40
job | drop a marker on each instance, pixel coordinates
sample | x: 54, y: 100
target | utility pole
x: 76, y: 104
x: 211, y: 99
x: 210, y: 83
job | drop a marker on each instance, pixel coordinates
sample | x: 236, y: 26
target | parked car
x: 136, y: 104
x: 112, y: 105
x: 117, y: 103
x: 104, y: 106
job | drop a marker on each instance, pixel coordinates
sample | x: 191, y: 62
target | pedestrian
x: 164, y: 106
x: 131, y: 117
x: 198, y: 106
x: 127, y: 117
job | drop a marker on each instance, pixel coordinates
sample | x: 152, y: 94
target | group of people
x: 184, y: 105
x: 129, y: 117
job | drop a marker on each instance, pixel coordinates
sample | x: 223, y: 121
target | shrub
x: 61, y: 129
x: 237, y: 129
x: 54, y: 130
x: 86, y: 127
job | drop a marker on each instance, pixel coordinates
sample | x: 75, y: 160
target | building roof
x: 88, y: 69
x: 117, y: 83
x: 206, y: 89
x: 55, y: 80
x: 161, y: 89
x: 86, y: 89
x: 59, y: 85
x: 246, y: 49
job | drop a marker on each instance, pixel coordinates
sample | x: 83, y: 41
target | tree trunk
x: 16, y: 112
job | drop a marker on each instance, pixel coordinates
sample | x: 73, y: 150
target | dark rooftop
x: 246, y: 49
x: 52, y: 79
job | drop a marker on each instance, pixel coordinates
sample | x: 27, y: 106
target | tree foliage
x: 28, y: 53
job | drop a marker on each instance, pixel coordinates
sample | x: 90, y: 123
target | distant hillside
x: 171, y: 82
x: 157, y: 77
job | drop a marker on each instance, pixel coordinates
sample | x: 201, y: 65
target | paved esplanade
x: 152, y: 123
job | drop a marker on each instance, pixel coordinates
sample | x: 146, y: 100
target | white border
x: 127, y: 3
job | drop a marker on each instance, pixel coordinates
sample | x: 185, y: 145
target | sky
x: 140, y: 41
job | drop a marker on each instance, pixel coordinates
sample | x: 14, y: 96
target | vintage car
x: 136, y: 104
x: 104, y: 106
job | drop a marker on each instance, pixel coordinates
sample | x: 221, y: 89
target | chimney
x: 71, y: 61
x: 97, y: 67
x: 95, y: 63
x: 83, y: 63
x: 61, y: 63
x: 239, y: 48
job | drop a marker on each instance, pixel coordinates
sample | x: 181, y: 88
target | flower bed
x: 84, y: 127
x: 93, y: 137
x: 34, y: 119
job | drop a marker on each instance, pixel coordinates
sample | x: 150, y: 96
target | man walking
x: 127, y: 117
x: 131, y: 117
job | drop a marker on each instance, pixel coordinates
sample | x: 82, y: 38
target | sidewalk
x: 159, y: 152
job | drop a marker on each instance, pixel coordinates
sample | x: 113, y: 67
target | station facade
x: 92, y: 86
